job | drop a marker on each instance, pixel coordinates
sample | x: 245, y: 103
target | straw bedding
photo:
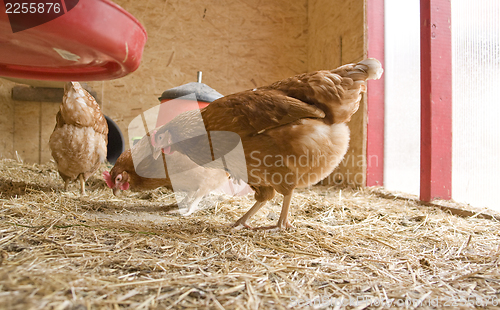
x: 351, y: 249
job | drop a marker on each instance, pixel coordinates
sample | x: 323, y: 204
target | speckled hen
x: 79, y: 140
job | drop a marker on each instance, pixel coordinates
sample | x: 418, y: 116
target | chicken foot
x: 243, y: 220
x: 283, y: 222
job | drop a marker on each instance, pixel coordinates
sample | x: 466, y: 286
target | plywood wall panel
x: 237, y: 44
x: 336, y: 33
x: 336, y: 37
x: 6, y: 120
x: 27, y: 130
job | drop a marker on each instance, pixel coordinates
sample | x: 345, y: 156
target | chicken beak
x: 116, y: 191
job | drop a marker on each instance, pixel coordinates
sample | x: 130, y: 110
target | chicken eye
x: 118, y: 178
x: 160, y: 137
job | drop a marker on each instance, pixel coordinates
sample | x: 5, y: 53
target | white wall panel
x: 402, y: 95
x: 476, y: 102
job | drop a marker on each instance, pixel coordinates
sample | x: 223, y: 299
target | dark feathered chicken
x: 293, y: 132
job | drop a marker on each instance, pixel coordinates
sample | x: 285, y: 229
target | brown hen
x: 79, y: 140
x: 293, y: 132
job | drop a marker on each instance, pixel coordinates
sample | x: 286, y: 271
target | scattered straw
x: 351, y: 248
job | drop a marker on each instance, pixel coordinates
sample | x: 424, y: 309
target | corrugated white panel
x: 402, y: 95
x: 476, y: 102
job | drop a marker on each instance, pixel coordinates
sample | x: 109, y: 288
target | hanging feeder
x: 190, y: 96
x: 78, y: 40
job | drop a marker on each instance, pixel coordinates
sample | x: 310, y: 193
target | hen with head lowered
x: 137, y: 170
x: 293, y: 132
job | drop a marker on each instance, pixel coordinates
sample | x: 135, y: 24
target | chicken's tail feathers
x: 373, y: 67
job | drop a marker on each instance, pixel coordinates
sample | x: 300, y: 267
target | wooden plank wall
x: 6, y: 120
x: 237, y: 44
x: 25, y: 126
x: 337, y: 37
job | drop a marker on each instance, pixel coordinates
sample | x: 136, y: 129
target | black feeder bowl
x: 116, y: 142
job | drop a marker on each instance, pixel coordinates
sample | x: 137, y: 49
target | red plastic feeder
x: 85, y: 40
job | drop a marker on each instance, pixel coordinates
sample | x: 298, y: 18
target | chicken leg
x: 66, y: 184
x: 283, y: 222
x: 243, y: 220
x: 82, y: 184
